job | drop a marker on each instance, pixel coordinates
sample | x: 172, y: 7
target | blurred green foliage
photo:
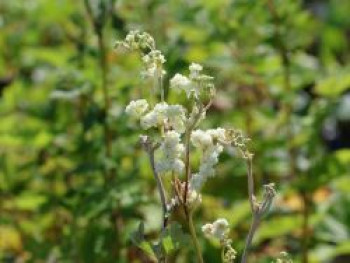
x: 282, y: 71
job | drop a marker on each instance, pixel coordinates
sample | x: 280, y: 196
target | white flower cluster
x: 217, y: 229
x: 209, y: 142
x: 193, y: 84
x: 137, y: 40
x: 137, y: 108
x: 229, y: 253
x: 155, y: 117
x: 195, y: 70
x: 170, y: 152
x: 153, y: 62
x: 163, y: 114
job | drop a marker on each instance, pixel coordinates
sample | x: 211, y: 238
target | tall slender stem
x: 150, y: 148
x: 160, y: 86
x: 252, y: 230
x: 189, y: 128
x: 256, y: 218
x: 160, y: 186
x: 305, y: 235
x: 195, y: 239
x: 250, y: 182
x: 187, y: 164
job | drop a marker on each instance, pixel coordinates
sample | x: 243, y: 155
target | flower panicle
x: 219, y: 230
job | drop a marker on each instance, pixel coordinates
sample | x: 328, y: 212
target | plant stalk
x: 160, y: 186
x: 254, y: 223
x: 305, y: 233
x: 252, y: 230
x: 195, y: 239
x: 187, y: 164
x: 256, y: 216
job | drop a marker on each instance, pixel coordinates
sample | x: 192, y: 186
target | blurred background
x: 74, y: 182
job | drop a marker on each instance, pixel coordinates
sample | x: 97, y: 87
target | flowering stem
x: 258, y: 208
x: 256, y: 217
x: 223, y: 255
x: 187, y: 164
x: 150, y: 150
x: 250, y: 182
x: 305, y: 232
x: 195, y: 239
x: 160, y: 86
x: 189, y: 129
x: 252, y: 230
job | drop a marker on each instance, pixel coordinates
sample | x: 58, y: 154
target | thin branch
x: 195, y: 239
x: 189, y: 129
x: 250, y: 182
x: 187, y: 167
x: 258, y: 209
x: 252, y: 230
x: 252, y: 202
x: 305, y: 231
x: 150, y: 148
x: 189, y: 214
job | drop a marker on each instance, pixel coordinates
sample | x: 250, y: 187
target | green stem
x: 187, y: 163
x: 305, y: 235
x: 107, y: 103
x: 252, y: 230
x: 256, y: 217
x: 195, y: 239
x: 160, y: 86
x: 160, y: 187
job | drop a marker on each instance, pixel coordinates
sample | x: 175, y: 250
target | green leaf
x: 138, y: 239
x: 147, y: 248
x: 178, y: 237
x: 168, y: 244
x: 333, y: 85
x: 28, y: 201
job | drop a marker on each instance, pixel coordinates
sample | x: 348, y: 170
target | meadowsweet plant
x: 171, y: 134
